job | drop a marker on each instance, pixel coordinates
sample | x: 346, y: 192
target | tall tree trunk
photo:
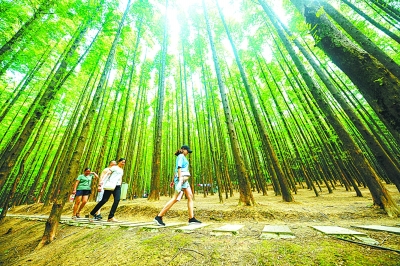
x: 362, y: 40
x: 156, y: 162
x: 122, y: 147
x: 373, y: 22
x: 379, y: 87
x: 245, y: 198
x: 286, y: 194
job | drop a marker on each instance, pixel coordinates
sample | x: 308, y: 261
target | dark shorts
x: 83, y: 192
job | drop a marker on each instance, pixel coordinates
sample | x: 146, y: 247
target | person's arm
x: 104, y: 174
x: 178, y: 186
x: 75, y: 186
x: 180, y: 177
x: 94, y: 174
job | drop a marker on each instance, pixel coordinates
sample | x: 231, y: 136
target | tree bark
x: 379, y: 87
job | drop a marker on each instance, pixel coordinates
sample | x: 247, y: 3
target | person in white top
x: 100, y: 187
x: 116, y: 172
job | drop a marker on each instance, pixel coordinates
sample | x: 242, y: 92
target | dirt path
x: 135, y: 246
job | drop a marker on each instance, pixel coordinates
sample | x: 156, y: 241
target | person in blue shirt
x: 182, y: 185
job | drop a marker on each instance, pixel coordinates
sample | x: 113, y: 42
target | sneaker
x: 112, y: 220
x: 158, y: 220
x: 73, y: 217
x: 95, y: 217
x: 78, y: 216
x: 194, y: 221
x: 99, y: 217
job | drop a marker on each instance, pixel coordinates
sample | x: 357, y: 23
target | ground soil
x: 115, y: 246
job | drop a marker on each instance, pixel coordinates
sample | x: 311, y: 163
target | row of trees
x: 304, y: 98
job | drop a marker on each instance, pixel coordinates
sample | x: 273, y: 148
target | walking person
x: 100, y: 187
x: 82, y: 190
x: 182, y: 185
x: 115, y: 172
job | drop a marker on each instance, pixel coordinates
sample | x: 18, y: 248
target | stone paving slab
x: 276, y: 231
x: 191, y: 227
x: 136, y: 224
x: 155, y: 228
x: 229, y: 229
x: 390, y: 229
x: 336, y: 230
x: 31, y: 217
x: 86, y: 222
x: 340, y: 231
x: 367, y: 240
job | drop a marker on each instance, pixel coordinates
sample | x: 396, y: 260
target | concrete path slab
x: 191, y: 227
x: 276, y: 231
x: 390, y: 229
x: 130, y: 225
x: 229, y: 229
x: 337, y: 230
x: 340, y: 232
x: 155, y: 228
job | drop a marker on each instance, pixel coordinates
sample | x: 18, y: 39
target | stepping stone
x: 276, y: 231
x: 155, y: 228
x: 190, y: 227
x: 390, y: 229
x: 229, y: 229
x: 336, y: 230
x: 340, y: 231
x: 129, y: 225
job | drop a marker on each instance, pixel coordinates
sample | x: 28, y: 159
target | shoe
x: 158, y: 220
x: 78, y: 215
x: 73, y: 217
x: 95, y: 217
x: 112, y: 220
x: 194, y: 221
x: 98, y: 216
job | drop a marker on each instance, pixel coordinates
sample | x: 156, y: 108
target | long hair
x: 180, y: 151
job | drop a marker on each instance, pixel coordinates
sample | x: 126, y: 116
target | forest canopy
x: 269, y: 95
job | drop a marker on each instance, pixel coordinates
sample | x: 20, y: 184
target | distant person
x: 116, y: 172
x: 100, y: 187
x: 82, y: 190
x: 181, y: 186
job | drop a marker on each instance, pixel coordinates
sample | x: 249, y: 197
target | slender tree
x: 245, y: 198
x: 155, y: 168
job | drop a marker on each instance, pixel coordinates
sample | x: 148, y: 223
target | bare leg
x: 77, y: 202
x: 189, y: 196
x: 168, y: 205
x: 84, y: 201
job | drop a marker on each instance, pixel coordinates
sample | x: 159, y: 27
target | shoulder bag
x: 110, y: 183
